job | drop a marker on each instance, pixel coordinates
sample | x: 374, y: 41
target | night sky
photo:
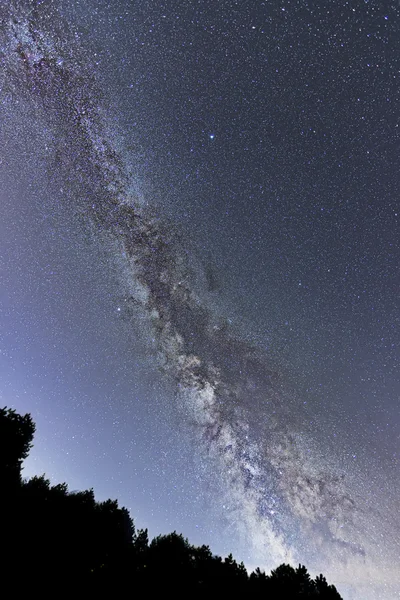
x: 200, y: 269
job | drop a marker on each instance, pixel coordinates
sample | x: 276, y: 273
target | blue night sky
x: 200, y: 269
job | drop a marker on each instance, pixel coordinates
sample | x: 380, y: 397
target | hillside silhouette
x: 58, y: 543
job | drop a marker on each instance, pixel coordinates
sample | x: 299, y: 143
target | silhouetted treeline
x: 54, y: 543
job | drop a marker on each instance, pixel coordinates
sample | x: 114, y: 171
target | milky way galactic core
x: 277, y: 472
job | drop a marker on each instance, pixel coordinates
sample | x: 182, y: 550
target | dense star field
x: 201, y: 249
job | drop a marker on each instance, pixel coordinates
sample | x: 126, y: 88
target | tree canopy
x: 56, y: 542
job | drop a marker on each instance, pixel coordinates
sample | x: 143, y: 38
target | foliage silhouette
x: 51, y: 537
x: 15, y: 442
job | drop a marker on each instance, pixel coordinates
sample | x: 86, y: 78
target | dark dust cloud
x: 236, y: 167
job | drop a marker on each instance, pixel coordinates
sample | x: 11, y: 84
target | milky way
x: 278, y: 482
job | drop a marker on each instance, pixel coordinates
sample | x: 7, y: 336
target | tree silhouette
x: 324, y: 590
x: 17, y: 433
x: 52, y: 537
